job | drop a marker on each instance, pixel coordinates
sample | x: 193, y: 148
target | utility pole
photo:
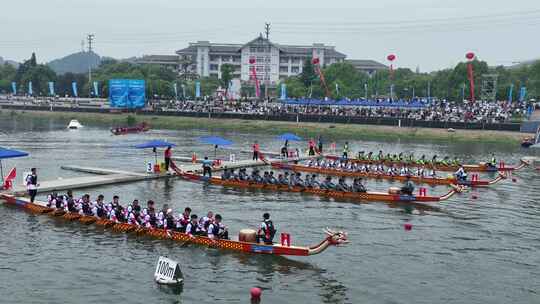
x: 267, y: 60
x: 90, y: 38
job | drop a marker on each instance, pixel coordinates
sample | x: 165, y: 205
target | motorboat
x: 74, y: 124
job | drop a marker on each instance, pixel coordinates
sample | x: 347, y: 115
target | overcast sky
x: 430, y: 34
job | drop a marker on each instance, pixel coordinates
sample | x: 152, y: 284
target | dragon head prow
x: 336, y: 238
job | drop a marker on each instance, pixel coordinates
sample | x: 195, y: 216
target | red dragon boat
x: 143, y: 127
x: 474, y: 182
x: 333, y: 238
x: 481, y: 167
x: 391, y: 196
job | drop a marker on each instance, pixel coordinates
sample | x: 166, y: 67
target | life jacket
x: 71, y: 205
x: 270, y: 231
x: 214, y: 229
x: 192, y: 230
x: 100, y: 212
x: 169, y: 220
x: 59, y: 203
x: 86, y: 208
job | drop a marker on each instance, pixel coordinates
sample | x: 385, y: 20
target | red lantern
x: 391, y: 57
x: 469, y: 55
x: 252, y: 60
x: 315, y: 61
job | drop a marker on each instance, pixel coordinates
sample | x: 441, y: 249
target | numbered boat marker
x: 168, y: 272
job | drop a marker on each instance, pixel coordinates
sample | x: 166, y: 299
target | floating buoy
x: 255, y: 293
x: 514, y: 179
x: 407, y: 226
x: 474, y: 196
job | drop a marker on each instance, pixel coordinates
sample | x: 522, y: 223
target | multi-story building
x: 272, y: 62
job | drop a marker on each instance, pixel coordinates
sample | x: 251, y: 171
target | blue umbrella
x: 289, y: 137
x: 8, y: 153
x: 216, y: 141
x: 155, y: 144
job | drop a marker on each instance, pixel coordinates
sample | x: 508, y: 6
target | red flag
x: 12, y: 174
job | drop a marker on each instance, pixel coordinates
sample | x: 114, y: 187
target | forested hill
x: 75, y: 63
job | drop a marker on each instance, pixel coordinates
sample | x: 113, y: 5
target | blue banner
x: 283, y: 91
x: 30, y: 90
x: 197, y: 89
x: 175, y: 86
x: 14, y: 88
x: 118, y: 93
x: 74, y: 88
x: 51, y: 88
x: 510, y: 92
x: 96, y: 91
x: 136, y: 93
x: 522, y: 93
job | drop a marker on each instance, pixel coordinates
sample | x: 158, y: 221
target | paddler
x: 192, y: 228
x: 380, y: 156
x: 217, y: 230
x: 266, y: 231
x: 422, y: 160
x: 328, y: 184
x: 361, y: 155
x: 370, y: 156
x: 342, y: 185
x: 434, y: 160
x: 358, y: 186
x: 99, y: 209
x: 460, y: 174
x: 320, y: 144
x: 493, y: 162
x: 408, y: 188
x: 456, y: 162
x: 346, y: 150
x: 445, y: 161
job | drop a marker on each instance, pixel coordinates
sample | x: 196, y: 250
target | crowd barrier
x: 383, y: 121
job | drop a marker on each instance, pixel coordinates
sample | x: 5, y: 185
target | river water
x: 465, y: 251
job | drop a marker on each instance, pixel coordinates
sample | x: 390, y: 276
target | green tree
x: 226, y: 76
x: 308, y: 75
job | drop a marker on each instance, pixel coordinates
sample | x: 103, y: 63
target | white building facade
x: 272, y: 62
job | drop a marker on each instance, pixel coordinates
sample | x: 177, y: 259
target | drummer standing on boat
x: 256, y: 150
x: 32, y: 184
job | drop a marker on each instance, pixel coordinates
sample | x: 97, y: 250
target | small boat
x: 74, y: 124
x: 393, y: 194
x: 474, y: 182
x: 480, y: 167
x: 143, y: 127
x: 333, y: 238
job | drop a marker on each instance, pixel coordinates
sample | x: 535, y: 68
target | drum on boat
x: 394, y: 190
x: 247, y: 235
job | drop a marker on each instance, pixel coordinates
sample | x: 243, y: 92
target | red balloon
x: 251, y: 60
x: 391, y: 57
x: 315, y: 61
x: 469, y: 55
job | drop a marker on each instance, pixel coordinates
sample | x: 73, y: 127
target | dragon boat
x: 143, y: 127
x: 333, y: 238
x: 393, y: 194
x: 474, y: 182
x: 480, y: 167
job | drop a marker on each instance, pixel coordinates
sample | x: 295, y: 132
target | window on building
x: 214, y: 58
x: 214, y: 67
x: 284, y: 60
x: 283, y: 69
x: 295, y: 70
x: 237, y: 59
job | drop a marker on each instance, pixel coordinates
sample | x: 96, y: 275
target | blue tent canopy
x: 215, y: 140
x: 8, y: 153
x: 155, y: 144
x: 290, y: 137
